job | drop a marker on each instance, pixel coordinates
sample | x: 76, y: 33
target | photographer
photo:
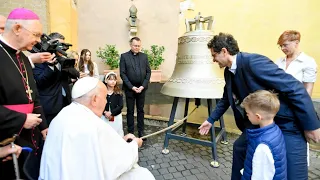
x: 52, y: 81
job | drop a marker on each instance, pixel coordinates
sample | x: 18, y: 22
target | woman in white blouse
x: 86, y: 66
x: 297, y: 63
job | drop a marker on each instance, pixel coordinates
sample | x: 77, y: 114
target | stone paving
x: 188, y: 161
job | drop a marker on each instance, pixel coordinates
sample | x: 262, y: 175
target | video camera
x: 54, y: 46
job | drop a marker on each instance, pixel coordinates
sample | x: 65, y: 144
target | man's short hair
x: 263, y: 101
x: 290, y: 35
x: 224, y: 40
x: 134, y: 38
x: 56, y: 35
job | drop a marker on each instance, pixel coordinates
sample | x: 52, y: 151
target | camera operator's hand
x: 32, y: 121
x: 41, y: 57
x: 53, y: 59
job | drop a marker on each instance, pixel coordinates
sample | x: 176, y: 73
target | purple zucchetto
x: 22, y: 14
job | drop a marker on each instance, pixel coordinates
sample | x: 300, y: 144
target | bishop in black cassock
x: 18, y: 97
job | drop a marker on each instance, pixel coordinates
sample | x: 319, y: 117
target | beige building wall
x: 37, y: 6
x: 103, y: 22
x: 257, y: 25
x: 64, y: 19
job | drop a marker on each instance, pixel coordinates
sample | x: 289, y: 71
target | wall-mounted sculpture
x: 186, y: 5
x: 133, y: 21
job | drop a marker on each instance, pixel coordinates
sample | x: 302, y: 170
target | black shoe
x: 141, y: 134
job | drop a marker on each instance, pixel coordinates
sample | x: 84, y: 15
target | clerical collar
x: 234, y: 64
x: 133, y: 53
x: 10, y: 46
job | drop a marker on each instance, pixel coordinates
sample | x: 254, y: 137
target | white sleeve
x: 262, y: 163
x: 310, y: 71
x: 279, y: 63
x: 31, y: 63
x: 117, y: 156
x: 95, y: 70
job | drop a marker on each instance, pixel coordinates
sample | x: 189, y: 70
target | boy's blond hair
x: 263, y: 101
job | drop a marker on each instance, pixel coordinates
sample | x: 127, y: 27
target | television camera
x: 58, y: 48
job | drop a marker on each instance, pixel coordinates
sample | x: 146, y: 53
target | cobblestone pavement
x: 188, y: 161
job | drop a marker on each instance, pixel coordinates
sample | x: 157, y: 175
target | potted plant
x: 155, y: 58
x: 110, y: 56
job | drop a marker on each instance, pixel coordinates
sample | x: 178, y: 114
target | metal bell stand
x: 170, y: 134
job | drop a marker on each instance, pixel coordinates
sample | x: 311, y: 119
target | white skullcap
x: 83, y: 86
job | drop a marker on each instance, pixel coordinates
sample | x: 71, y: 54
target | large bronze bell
x: 195, y: 75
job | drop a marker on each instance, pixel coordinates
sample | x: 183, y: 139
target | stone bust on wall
x: 133, y: 21
x: 133, y: 16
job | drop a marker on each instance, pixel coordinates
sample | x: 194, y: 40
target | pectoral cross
x: 29, y: 91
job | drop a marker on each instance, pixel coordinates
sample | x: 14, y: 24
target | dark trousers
x: 239, y: 155
x: 131, y: 98
x: 296, y: 146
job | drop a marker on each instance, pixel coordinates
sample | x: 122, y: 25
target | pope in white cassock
x: 81, y: 146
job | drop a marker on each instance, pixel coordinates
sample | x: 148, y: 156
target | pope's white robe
x: 80, y: 146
